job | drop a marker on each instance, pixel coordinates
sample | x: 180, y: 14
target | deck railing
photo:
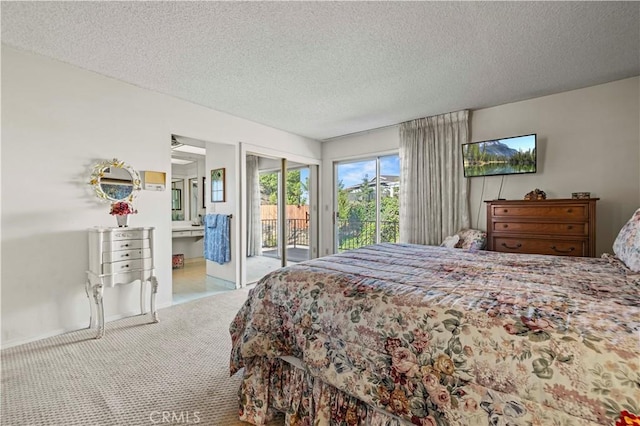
x: 354, y: 234
x: 297, y: 232
x: 351, y: 234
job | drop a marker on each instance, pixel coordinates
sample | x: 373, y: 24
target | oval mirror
x: 115, y: 180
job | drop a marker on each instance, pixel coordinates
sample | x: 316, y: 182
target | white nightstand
x: 120, y: 256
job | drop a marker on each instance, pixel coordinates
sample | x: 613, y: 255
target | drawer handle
x: 570, y: 227
x: 505, y: 211
x: 569, y: 210
x: 554, y: 248
x: 512, y: 248
x: 505, y: 226
x: 126, y: 245
x: 125, y: 255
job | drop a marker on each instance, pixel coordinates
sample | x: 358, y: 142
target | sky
x: 521, y: 143
x: 352, y: 173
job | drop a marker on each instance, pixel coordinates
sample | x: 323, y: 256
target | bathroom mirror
x: 115, y: 180
x: 176, y: 199
x: 178, y: 192
x: 193, y: 199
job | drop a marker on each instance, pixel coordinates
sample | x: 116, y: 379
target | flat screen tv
x: 514, y: 155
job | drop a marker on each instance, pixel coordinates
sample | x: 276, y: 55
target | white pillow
x: 627, y: 244
x: 450, y: 241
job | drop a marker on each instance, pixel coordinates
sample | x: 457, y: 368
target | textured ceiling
x: 325, y: 69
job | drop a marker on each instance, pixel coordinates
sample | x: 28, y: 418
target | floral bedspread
x: 448, y: 336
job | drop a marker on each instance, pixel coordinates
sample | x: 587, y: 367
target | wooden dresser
x: 561, y: 227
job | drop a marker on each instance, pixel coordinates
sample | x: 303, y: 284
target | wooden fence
x: 268, y: 212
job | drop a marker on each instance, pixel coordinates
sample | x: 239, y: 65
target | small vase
x: 123, y: 220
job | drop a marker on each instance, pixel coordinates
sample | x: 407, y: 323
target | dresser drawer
x: 125, y: 245
x: 127, y: 265
x: 175, y: 234
x: 566, y: 212
x: 126, y: 277
x: 557, y: 228
x: 113, y: 256
x: 133, y: 234
x: 563, y: 247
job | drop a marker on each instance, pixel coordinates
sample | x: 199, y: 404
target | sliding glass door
x: 366, y: 209
x: 298, y: 214
x: 279, y: 220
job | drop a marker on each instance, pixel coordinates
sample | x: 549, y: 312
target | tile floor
x: 192, y: 282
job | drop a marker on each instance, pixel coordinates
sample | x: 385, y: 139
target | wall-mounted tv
x: 514, y: 155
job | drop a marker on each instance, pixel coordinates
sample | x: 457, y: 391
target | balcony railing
x: 351, y: 234
x: 297, y: 232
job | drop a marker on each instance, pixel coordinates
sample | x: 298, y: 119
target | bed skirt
x: 276, y: 385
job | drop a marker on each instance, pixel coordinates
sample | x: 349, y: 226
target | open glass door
x: 280, y: 224
x: 298, y: 214
x: 264, y: 220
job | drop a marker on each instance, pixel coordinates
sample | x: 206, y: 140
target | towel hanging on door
x: 216, y: 238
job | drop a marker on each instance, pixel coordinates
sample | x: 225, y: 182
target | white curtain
x: 254, y: 225
x: 433, y: 190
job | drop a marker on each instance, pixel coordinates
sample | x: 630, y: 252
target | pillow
x: 627, y: 244
x: 450, y: 241
x: 472, y: 239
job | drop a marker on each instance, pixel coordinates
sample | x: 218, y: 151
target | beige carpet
x: 136, y: 374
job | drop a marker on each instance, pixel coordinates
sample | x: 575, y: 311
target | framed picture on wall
x: 217, y: 185
x: 204, y: 193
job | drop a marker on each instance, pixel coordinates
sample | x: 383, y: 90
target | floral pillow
x: 627, y: 244
x: 472, y: 239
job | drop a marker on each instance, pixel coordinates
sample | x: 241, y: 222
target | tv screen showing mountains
x: 500, y: 156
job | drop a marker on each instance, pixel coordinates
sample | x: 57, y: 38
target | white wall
x: 219, y: 156
x: 57, y: 121
x: 588, y: 139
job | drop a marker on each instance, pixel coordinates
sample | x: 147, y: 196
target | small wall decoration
x: 536, y: 194
x: 217, y: 186
x: 115, y: 180
x: 154, y: 181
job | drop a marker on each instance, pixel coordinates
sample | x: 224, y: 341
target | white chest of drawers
x: 120, y: 256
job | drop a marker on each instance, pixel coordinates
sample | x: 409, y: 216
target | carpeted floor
x: 173, y: 372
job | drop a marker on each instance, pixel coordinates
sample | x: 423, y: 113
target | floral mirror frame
x: 110, y: 181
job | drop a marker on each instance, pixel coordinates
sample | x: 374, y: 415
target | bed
x: 396, y: 334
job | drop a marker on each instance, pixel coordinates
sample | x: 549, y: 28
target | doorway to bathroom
x: 188, y: 208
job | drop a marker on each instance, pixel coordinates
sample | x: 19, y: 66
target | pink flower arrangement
x: 122, y: 208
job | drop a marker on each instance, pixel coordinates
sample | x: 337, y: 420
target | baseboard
x: 17, y: 342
